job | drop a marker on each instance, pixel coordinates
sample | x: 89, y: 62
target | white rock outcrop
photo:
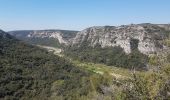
x: 107, y: 36
x: 48, y: 34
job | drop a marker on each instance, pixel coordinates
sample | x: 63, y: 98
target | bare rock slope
x: 62, y: 36
x: 149, y: 37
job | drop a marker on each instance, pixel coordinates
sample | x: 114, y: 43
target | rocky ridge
x: 149, y: 37
x: 63, y: 36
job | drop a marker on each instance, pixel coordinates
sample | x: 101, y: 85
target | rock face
x: 62, y: 36
x: 147, y: 35
x: 48, y: 34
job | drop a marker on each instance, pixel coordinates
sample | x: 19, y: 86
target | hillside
x: 28, y: 72
x: 54, y: 38
x: 127, y: 46
x: 147, y: 36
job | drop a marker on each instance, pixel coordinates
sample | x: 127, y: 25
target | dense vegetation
x: 151, y: 85
x: 27, y: 72
x: 43, y: 41
x: 109, y: 55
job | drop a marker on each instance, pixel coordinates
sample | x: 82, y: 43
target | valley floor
x: 118, y: 73
x: 122, y: 83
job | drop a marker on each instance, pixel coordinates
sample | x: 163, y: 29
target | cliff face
x: 48, y: 34
x: 148, y: 37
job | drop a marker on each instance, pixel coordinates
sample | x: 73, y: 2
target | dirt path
x: 56, y: 51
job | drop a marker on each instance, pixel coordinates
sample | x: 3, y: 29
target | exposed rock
x: 48, y: 34
x: 63, y: 36
x: 148, y: 35
x: 165, y: 26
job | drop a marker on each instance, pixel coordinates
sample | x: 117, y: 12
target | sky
x: 80, y: 14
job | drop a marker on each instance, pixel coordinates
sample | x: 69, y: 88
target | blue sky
x: 80, y: 14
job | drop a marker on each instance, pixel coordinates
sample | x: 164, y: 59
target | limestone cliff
x: 149, y: 37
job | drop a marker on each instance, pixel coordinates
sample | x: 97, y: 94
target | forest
x: 29, y: 72
x: 113, y: 56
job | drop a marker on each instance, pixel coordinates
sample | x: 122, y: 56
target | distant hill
x: 149, y: 37
x: 106, y: 44
x: 54, y: 38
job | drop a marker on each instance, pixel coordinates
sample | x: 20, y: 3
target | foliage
x: 134, y: 44
x: 150, y: 85
x: 28, y: 72
x: 110, y: 55
x: 43, y: 41
x: 153, y: 60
